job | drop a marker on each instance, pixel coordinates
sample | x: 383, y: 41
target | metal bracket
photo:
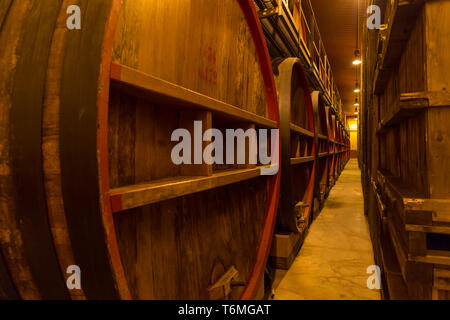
x: 222, y: 288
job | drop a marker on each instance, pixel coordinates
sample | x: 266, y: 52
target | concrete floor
x: 334, y: 258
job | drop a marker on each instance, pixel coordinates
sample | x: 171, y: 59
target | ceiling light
x: 357, y: 89
x: 356, y: 103
x: 357, y: 60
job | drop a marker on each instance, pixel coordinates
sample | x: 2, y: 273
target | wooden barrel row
x: 298, y: 146
x: 86, y: 176
x: 315, y: 147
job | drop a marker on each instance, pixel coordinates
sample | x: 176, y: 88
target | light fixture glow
x: 357, y: 60
x: 357, y: 89
x: 356, y: 103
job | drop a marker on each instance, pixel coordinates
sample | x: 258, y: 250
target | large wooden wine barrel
x: 298, y: 162
x: 86, y: 175
x: 341, y: 146
x: 332, y: 176
x: 338, y: 138
x: 322, y: 148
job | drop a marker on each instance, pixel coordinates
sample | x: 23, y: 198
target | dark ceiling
x: 337, y: 24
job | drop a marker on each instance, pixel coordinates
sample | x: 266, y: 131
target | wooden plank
x: 399, y: 249
x: 436, y: 37
x: 441, y: 278
x: 395, y: 284
x: 322, y: 137
x: 402, y: 110
x: 302, y: 160
x: 434, y: 98
x: 417, y: 243
x: 301, y: 130
x: 438, y: 160
x: 440, y: 208
x: 427, y: 229
x: 394, y: 39
x: 433, y: 256
x: 285, y: 248
x: 139, y: 83
x: 143, y: 194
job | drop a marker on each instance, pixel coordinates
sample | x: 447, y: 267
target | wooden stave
x: 8, y: 290
x: 286, y: 220
x: 26, y: 239
x: 111, y: 283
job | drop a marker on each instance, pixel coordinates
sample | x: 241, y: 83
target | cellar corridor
x: 222, y: 150
x: 334, y: 258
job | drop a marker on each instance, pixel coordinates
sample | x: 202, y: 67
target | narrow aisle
x: 334, y: 258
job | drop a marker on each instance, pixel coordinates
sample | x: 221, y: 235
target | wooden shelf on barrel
x: 98, y: 126
x: 301, y: 131
x: 300, y: 160
x: 143, y: 194
x: 138, y: 83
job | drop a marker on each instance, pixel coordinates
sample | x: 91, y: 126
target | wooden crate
x: 406, y: 155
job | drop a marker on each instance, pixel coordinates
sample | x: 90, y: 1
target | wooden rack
x: 137, y: 83
x: 291, y: 30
